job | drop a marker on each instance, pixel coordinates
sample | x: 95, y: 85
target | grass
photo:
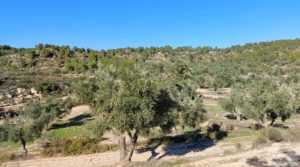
x: 212, y: 106
x: 179, y: 162
x: 68, y: 132
x: 7, y: 156
x: 241, y: 133
x: 9, y: 144
x: 78, y: 146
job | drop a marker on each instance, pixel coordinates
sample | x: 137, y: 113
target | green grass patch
x: 9, y: 144
x: 213, y: 106
x: 68, y: 132
x: 241, y: 133
x: 78, y: 146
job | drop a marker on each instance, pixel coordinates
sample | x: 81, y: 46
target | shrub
x: 292, y: 135
x: 259, y: 141
x: 81, y: 145
x: 273, y: 134
x: 268, y: 134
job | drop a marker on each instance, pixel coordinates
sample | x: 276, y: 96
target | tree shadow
x: 255, y: 161
x: 295, y: 158
x: 278, y: 125
x: 192, y: 141
x: 289, y: 159
x: 76, y: 121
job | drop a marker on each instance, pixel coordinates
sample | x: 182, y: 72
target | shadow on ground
x: 288, y: 159
x: 193, y: 141
x: 76, y: 121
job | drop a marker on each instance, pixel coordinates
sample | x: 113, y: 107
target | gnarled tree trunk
x: 133, y: 140
x: 23, y: 143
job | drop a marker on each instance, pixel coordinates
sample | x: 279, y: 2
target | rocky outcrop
x: 18, y: 96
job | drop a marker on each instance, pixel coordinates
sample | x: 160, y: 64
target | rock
x: 20, y: 91
x: 33, y: 91
x: 8, y: 95
x: 29, y: 97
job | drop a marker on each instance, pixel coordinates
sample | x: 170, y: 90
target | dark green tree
x: 128, y: 103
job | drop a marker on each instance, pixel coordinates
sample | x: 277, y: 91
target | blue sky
x: 103, y: 24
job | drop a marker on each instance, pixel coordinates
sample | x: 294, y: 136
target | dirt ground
x: 197, y: 154
x: 200, y: 154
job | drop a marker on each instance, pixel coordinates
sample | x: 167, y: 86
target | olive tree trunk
x: 272, y: 122
x: 23, y: 143
x: 133, y: 141
x: 122, y: 147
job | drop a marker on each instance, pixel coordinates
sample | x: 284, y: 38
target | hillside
x: 229, y: 106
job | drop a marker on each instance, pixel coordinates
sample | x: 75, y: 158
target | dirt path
x: 111, y: 158
x: 221, y: 154
x: 283, y: 155
x: 203, y: 154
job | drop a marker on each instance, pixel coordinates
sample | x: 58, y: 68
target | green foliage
x: 234, y: 102
x: 33, y: 118
x: 266, y: 98
x: 127, y: 101
x: 272, y: 134
x: 78, y: 146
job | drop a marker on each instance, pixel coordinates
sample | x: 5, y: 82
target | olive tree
x: 34, y: 117
x: 182, y: 88
x: 266, y: 99
x: 127, y: 102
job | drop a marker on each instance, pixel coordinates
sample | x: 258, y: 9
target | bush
x: 268, y: 134
x: 273, y: 134
x: 78, y: 146
x: 292, y: 135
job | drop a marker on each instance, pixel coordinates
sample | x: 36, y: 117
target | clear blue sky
x: 103, y: 24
